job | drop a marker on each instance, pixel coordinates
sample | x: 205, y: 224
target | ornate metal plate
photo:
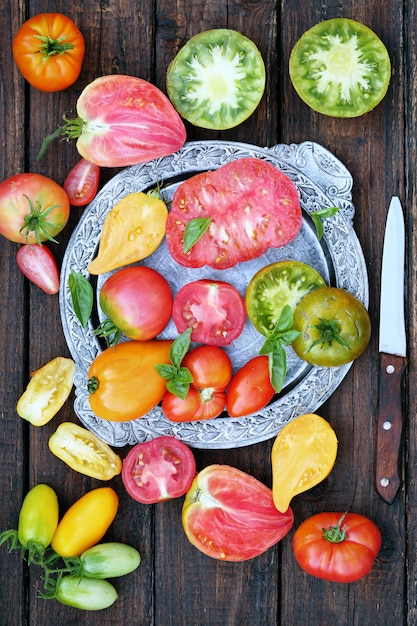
x: 322, y: 181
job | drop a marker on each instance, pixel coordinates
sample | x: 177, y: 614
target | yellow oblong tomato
x: 132, y: 230
x: 49, y: 50
x: 85, y: 522
x: 303, y: 454
x: 84, y: 452
x: 123, y: 382
x: 47, y: 391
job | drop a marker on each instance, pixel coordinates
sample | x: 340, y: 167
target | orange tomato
x: 85, y: 522
x: 49, y: 50
x: 123, y: 382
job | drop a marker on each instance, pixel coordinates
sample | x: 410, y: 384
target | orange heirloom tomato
x: 85, y: 522
x: 123, y: 382
x: 49, y: 51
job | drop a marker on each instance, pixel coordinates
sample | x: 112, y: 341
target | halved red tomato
x: 122, y: 120
x: 82, y: 182
x: 211, y: 370
x: 251, y: 205
x: 230, y: 515
x: 214, y: 310
x: 158, y: 470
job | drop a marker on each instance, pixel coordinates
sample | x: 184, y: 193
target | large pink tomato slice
x: 126, y: 120
x: 230, y: 515
x: 251, y: 205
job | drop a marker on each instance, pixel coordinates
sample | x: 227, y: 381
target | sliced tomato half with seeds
x: 251, y: 205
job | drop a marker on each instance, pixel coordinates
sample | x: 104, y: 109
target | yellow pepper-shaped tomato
x: 303, y: 455
x: 85, y: 522
x: 47, y: 391
x: 132, y: 230
x: 84, y: 452
x: 123, y: 382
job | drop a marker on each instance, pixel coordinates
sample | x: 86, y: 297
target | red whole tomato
x: 38, y: 264
x: 49, y: 51
x: 250, y: 388
x: 214, y: 310
x: 123, y: 120
x: 33, y: 208
x: 82, y: 182
x: 340, y: 547
x: 211, y: 370
x: 158, y: 470
x: 251, y: 206
x: 138, y: 301
x: 230, y: 515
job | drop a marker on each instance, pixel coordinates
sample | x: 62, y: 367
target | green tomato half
x: 275, y: 286
x: 217, y: 79
x: 340, y: 68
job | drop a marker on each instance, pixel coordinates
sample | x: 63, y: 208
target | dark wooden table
x: 176, y: 584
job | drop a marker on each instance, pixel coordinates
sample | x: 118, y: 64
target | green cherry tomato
x: 340, y: 68
x: 334, y: 327
x: 217, y: 79
x: 275, y: 286
x: 89, y: 594
x: 108, y: 560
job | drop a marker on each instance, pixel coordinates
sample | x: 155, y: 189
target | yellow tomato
x: 85, y: 522
x: 47, y: 391
x: 84, y: 452
x: 303, y: 454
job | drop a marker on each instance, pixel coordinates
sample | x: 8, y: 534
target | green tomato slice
x: 340, y: 68
x: 275, y: 286
x: 217, y: 79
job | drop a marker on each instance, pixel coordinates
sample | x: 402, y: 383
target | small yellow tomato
x: 84, y: 452
x: 85, y: 522
x: 47, y: 391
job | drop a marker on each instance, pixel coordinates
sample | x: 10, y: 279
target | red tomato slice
x: 38, y: 264
x: 126, y: 120
x: 82, y: 181
x: 250, y: 388
x: 252, y: 205
x: 214, y: 310
x: 158, y: 470
x: 230, y: 515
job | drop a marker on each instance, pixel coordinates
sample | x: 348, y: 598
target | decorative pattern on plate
x: 322, y: 181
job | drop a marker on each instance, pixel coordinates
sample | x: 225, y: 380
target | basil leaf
x: 194, y: 230
x: 178, y: 389
x: 180, y: 347
x: 277, y: 362
x: 82, y: 296
x: 318, y: 216
x: 285, y: 319
x: 165, y: 370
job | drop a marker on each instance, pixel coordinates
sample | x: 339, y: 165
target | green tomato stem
x: 336, y: 534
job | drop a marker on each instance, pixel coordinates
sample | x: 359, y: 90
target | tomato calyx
x: 109, y: 331
x: 92, y: 384
x: 35, y: 222
x: 336, y: 534
x: 50, y: 47
x: 329, y: 330
x: 72, y: 129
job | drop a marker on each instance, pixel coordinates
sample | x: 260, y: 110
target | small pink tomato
x: 82, y: 182
x: 37, y: 263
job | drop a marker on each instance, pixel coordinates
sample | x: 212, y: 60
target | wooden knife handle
x: 389, y: 426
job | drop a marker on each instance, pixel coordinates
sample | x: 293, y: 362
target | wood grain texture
x: 175, y: 584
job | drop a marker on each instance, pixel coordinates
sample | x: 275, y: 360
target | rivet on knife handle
x: 389, y: 426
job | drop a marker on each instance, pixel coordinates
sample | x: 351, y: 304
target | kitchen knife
x: 392, y: 356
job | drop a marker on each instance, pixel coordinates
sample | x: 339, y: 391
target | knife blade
x: 392, y: 356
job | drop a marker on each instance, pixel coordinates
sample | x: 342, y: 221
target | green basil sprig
x: 318, y: 216
x: 194, y: 230
x: 81, y: 295
x: 178, y: 378
x: 274, y: 347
